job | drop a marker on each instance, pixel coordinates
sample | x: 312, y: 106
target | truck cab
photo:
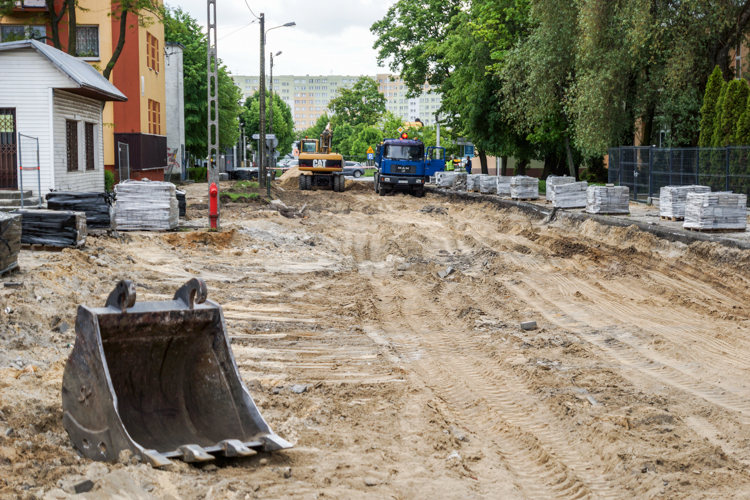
x: 404, y: 165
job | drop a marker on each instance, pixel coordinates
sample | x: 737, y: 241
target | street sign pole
x: 262, y: 149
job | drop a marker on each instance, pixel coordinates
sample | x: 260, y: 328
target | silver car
x: 354, y: 169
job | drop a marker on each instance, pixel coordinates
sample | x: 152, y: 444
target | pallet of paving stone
x: 555, y: 180
x: 98, y: 207
x: 673, y: 199
x: 569, y: 195
x: 716, y: 211
x: 459, y: 181
x: 445, y: 179
x: 488, y: 184
x: 502, y: 187
x: 473, y: 182
x: 524, y: 188
x: 181, y: 202
x: 52, y: 228
x: 146, y: 206
x: 10, y: 241
x: 608, y: 200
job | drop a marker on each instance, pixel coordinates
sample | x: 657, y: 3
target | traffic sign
x: 268, y: 136
x: 469, y: 151
x: 401, y: 130
x: 370, y: 156
x: 272, y: 142
x: 370, y: 151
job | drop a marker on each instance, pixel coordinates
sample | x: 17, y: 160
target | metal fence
x: 645, y: 170
x: 28, y: 156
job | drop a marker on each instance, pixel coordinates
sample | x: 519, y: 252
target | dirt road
x: 634, y: 386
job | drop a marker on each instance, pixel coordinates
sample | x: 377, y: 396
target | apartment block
x: 425, y: 107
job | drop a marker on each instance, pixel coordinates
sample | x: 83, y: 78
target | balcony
x: 30, y: 6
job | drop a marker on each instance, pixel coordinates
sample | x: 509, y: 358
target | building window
x: 13, y: 33
x: 154, y: 117
x: 87, y: 41
x: 152, y: 52
x: 90, y: 149
x: 71, y: 144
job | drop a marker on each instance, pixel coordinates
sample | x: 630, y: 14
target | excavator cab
x: 308, y: 146
x: 159, y: 379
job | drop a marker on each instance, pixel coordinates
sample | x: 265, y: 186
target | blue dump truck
x: 404, y: 165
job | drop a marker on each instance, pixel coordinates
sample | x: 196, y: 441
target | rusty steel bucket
x: 159, y: 379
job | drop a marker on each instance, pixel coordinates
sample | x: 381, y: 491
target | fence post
x: 20, y: 168
x: 727, y: 175
x: 619, y: 158
x: 697, y: 165
x: 650, y: 171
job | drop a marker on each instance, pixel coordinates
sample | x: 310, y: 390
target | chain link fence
x: 645, y: 170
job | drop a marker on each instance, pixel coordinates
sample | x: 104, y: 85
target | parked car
x: 354, y: 169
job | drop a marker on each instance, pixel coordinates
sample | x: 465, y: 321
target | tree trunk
x: 72, y: 32
x: 549, y: 166
x: 483, y: 162
x: 54, y: 21
x: 571, y: 166
x: 647, y: 125
x: 504, y: 167
x: 521, y: 166
x: 120, y: 44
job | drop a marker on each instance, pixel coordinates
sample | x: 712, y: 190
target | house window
x: 13, y: 33
x: 71, y: 142
x: 90, y: 149
x: 87, y: 41
x: 154, y: 117
x: 152, y: 52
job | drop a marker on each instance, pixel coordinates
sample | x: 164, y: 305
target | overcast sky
x: 331, y: 36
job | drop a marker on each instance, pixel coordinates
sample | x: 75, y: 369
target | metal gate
x: 8, y: 149
x: 123, y: 155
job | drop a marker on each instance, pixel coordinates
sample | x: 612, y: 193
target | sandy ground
x: 418, y: 387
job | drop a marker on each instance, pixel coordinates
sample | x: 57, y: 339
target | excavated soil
x: 635, y: 384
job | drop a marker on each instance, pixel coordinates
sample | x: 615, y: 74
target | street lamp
x: 270, y: 118
x: 262, y: 170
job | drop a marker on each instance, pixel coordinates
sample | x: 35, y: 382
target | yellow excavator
x: 319, y: 166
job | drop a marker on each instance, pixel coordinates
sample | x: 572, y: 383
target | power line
x: 235, y: 31
x: 251, y: 10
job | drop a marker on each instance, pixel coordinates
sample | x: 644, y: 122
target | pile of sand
x: 289, y: 179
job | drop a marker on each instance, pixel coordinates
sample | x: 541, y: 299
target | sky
x: 332, y: 37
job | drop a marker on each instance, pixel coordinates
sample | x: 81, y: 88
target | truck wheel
x: 336, y: 183
x: 381, y: 190
x: 376, y: 182
x: 302, y: 183
x: 419, y: 193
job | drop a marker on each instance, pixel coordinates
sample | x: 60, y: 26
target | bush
x: 198, y: 174
x: 109, y: 181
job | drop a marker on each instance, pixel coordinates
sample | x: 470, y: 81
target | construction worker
x: 468, y: 165
x: 456, y: 164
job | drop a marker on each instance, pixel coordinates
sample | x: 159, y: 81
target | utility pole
x: 270, y: 95
x: 262, y: 132
x: 213, y: 103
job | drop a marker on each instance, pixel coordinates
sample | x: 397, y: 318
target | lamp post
x: 270, y: 117
x: 262, y: 134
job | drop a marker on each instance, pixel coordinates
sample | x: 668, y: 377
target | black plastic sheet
x: 181, y: 202
x: 10, y: 241
x: 97, y: 206
x: 52, y: 228
x: 244, y: 174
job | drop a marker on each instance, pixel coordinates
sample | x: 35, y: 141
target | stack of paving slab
x: 96, y: 206
x: 524, y: 188
x: 712, y: 211
x: 445, y: 179
x: 503, y: 185
x: 10, y: 241
x: 569, y: 195
x: 146, y: 206
x: 53, y: 228
x: 181, y: 202
x: 608, y: 200
x: 473, y: 182
x: 555, y: 180
x: 459, y: 181
x: 673, y: 199
x: 488, y: 184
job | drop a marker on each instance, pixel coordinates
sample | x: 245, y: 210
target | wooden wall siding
x: 25, y: 79
x: 69, y: 106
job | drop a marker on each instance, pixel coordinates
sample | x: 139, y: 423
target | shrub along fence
x: 645, y: 170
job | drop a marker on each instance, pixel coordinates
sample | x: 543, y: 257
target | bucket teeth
x: 194, y: 453
x: 236, y: 448
x: 155, y: 459
x: 275, y: 443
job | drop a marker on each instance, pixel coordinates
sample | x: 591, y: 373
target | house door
x: 8, y: 148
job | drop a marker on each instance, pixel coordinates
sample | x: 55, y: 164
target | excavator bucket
x: 159, y: 379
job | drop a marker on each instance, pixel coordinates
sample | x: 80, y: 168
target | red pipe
x: 213, y: 213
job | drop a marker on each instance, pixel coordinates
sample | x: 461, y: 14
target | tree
x: 135, y: 10
x: 342, y: 136
x: 716, y: 137
x: 367, y: 137
x: 708, y: 110
x: 180, y: 27
x: 283, y: 123
x: 735, y: 103
x: 361, y: 104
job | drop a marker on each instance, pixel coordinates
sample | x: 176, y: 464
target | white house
x: 56, y: 99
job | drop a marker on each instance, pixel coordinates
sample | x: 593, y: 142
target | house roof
x: 89, y: 82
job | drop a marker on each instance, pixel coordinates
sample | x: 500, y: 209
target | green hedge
x: 198, y: 174
x: 109, y: 181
